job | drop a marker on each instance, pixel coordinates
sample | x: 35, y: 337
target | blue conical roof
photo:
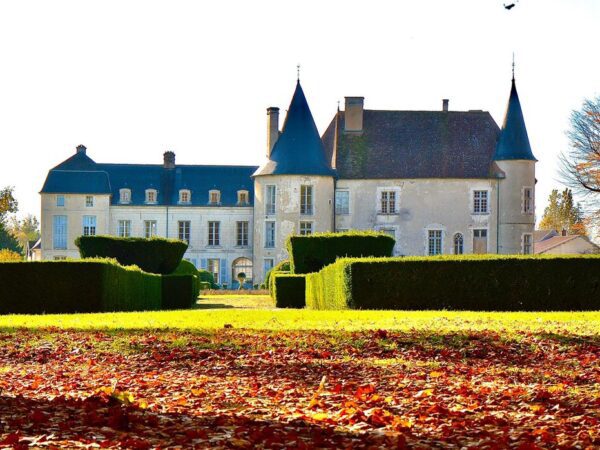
x: 514, y: 142
x: 299, y: 149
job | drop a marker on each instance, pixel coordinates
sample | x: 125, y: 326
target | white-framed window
x: 151, y: 196
x: 270, y: 197
x: 269, y: 234
x: 149, y: 228
x: 89, y: 225
x: 387, y: 202
x: 527, y: 243
x: 459, y: 244
x: 434, y: 242
x: 268, y: 264
x: 124, y: 195
x: 59, y: 232
x: 527, y: 200
x: 214, y: 266
x: 242, y: 198
x: 242, y: 233
x: 342, y: 202
x: 481, y: 202
x: 124, y: 228
x: 214, y: 197
x: 306, y: 200
x: 89, y: 201
x: 183, y: 230
x: 214, y: 236
x: 306, y: 228
x: 60, y: 200
x: 185, y: 196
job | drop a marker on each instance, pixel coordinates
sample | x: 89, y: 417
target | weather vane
x: 298, y: 71
x: 513, y: 66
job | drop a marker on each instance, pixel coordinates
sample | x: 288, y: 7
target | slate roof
x: 542, y: 235
x: 81, y: 175
x: 299, y: 149
x: 514, y: 142
x: 414, y: 144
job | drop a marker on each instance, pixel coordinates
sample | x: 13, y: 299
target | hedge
x: 179, y: 291
x: 204, y: 285
x: 155, y: 255
x: 76, y: 286
x: 282, y: 266
x: 477, y: 283
x: 188, y: 268
x: 288, y: 290
x: 313, y: 252
x: 207, y: 277
x: 272, y: 275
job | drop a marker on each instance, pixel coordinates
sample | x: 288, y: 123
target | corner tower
x: 294, y: 188
x: 515, y: 165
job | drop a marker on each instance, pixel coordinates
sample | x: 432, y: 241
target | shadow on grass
x: 204, y: 305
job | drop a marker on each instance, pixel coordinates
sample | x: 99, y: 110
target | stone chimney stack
x: 353, y: 115
x: 272, y: 128
x: 169, y: 160
x: 445, y: 103
x: 81, y: 149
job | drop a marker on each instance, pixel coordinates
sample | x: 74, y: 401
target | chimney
x: 272, y: 128
x: 445, y: 103
x: 353, y: 115
x: 169, y: 160
x: 81, y: 149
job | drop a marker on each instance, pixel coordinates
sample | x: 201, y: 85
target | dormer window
x: 185, y: 196
x: 242, y: 198
x: 151, y: 195
x: 214, y: 197
x: 124, y: 196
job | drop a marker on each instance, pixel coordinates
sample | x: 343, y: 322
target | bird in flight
x: 510, y: 6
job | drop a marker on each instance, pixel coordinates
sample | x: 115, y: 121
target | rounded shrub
x: 187, y: 268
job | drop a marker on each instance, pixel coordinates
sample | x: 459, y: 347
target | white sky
x: 132, y: 79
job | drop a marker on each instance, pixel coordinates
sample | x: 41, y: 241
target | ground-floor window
x: 149, y: 228
x: 434, y: 242
x: 458, y: 244
x: 89, y: 225
x: 124, y: 228
x: 480, y: 241
x: 214, y: 266
x: 527, y: 244
x: 241, y: 265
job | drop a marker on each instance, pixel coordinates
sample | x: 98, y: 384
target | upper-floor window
x: 480, y: 202
x: 270, y: 234
x: 214, y: 237
x: 214, y: 197
x: 387, y: 202
x: 527, y: 200
x: 59, y: 232
x: 60, y: 200
x: 270, y: 199
x: 184, y: 230
x: 89, y: 201
x: 306, y: 228
x: 124, y: 195
x: 242, y: 234
x: 527, y: 244
x: 124, y: 228
x: 89, y: 225
x: 149, y: 228
x: 185, y: 196
x: 342, y: 202
x: 242, y: 198
x: 458, y: 244
x: 434, y: 242
x: 306, y: 199
x: 151, y: 195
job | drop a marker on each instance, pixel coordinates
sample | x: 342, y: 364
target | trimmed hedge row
x: 281, y: 266
x: 76, y: 286
x: 289, y: 290
x: 188, y: 268
x: 313, y: 252
x: 478, y: 283
x: 155, y: 255
x: 179, y: 291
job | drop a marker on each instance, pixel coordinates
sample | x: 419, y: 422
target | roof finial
x: 513, y: 67
x: 298, y: 72
x: 338, y: 106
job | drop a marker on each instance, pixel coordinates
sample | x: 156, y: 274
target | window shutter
x: 224, y: 271
x: 203, y: 264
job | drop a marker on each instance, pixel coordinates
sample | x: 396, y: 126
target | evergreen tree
x: 562, y: 214
x: 8, y: 205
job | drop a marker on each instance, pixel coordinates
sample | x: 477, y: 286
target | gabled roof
x: 514, y: 142
x: 555, y: 241
x: 299, y: 149
x: 414, y: 144
x: 542, y: 235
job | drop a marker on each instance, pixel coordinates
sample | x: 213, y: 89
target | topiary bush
x: 207, y: 277
x: 188, y: 268
x: 313, y: 252
x: 179, y: 291
x: 155, y: 255
x: 288, y: 290
x: 282, y: 266
x: 477, y: 283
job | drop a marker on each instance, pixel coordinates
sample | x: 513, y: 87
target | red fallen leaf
x: 363, y: 391
x: 11, y: 439
x: 337, y: 389
x: 381, y: 334
x: 38, y: 416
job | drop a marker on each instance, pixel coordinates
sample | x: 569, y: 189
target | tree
x: 8, y: 205
x: 562, y: 214
x: 581, y: 163
x: 24, y: 230
x: 7, y: 255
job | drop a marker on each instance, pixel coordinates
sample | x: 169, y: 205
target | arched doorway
x: 241, y: 265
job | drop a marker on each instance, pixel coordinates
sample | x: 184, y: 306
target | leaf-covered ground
x: 241, y: 388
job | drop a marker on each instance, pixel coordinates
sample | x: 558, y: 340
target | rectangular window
x: 342, y: 202
x: 270, y: 200
x: 527, y: 244
x: 242, y: 197
x: 89, y: 225
x: 268, y: 264
x: 149, y: 228
x: 242, y: 234
x: 306, y: 200
x: 184, y: 230
x: 150, y: 196
x: 59, y: 232
x: 434, y: 242
x: 388, y: 202
x: 60, y: 200
x: 305, y: 228
x: 214, y: 197
x: 527, y: 200
x: 214, y: 268
x: 89, y: 201
x: 270, y: 234
x: 213, y: 234
x: 124, y: 228
x: 480, y: 202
